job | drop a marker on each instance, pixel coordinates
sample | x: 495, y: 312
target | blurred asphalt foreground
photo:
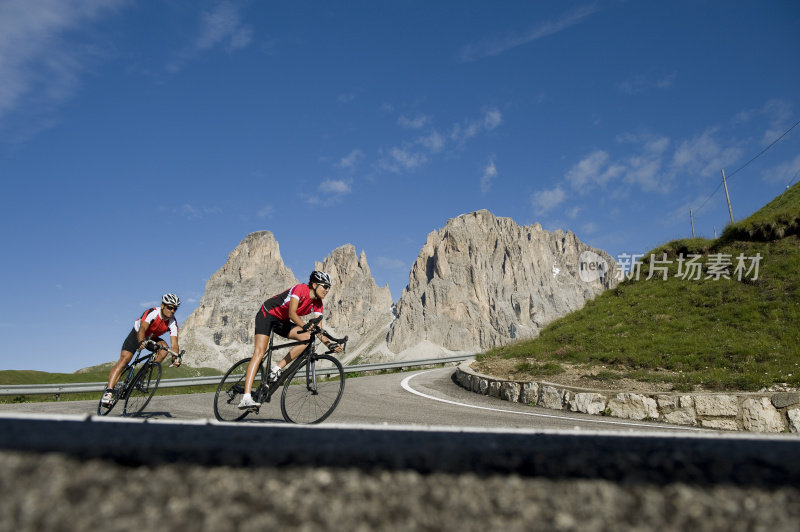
x: 85, y: 473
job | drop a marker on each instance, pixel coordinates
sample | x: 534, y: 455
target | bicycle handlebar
x: 156, y: 347
x: 313, y: 326
x: 313, y: 321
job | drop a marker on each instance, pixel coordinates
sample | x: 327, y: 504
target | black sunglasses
x: 325, y: 286
x: 170, y: 307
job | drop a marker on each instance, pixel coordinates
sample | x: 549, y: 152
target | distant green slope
x: 93, y: 374
x: 716, y: 333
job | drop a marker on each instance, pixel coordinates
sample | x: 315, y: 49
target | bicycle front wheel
x: 312, y: 391
x: 103, y: 410
x: 142, y: 388
x: 230, y: 390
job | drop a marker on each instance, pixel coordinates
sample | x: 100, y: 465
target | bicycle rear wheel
x: 142, y: 388
x: 311, y: 393
x: 230, y: 390
x: 103, y: 410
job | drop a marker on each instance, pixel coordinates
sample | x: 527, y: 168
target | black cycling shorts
x: 131, y: 343
x: 266, y: 323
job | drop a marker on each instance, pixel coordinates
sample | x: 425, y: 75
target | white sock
x: 275, y: 369
x: 246, y: 396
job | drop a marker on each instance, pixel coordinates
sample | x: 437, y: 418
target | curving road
x: 409, y: 451
x: 421, y: 398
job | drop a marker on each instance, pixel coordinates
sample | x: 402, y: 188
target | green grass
x: 725, y: 334
x: 95, y: 374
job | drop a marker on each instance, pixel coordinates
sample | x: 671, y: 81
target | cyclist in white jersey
x: 150, y: 326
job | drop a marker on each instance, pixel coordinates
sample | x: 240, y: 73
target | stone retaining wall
x: 755, y: 412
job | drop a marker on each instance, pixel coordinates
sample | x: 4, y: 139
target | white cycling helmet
x: 171, y: 299
x: 320, y: 278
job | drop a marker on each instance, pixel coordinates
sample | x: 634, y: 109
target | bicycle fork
x: 311, y: 376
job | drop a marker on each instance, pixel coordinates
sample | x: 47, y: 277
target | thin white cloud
x: 336, y: 186
x: 704, y: 155
x: 193, y: 212
x: 434, y: 142
x: 413, y: 123
x: 265, y: 211
x: 489, y: 174
x: 492, y: 119
x: 783, y: 173
x: 544, y: 201
x: 472, y: 128
x: 473, y: 52
x: 596, y: 169
x: 351, y: 160
x: 780, y: 114
x: 37, y: 61
x: 416, y: 152
x: 330, y: 191
x: 221, y: 26
x: 407, y: 159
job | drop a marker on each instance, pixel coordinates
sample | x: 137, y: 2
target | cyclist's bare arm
x: 141, y: 334
x: 335, y: 345
x: 177, y: 356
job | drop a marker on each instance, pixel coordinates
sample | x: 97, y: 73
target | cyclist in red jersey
x: 150, y: 326
x: 281, y: 314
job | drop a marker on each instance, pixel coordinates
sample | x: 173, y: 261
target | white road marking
x: 406, y: 386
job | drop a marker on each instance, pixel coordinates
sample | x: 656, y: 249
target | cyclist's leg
x: 129, y: 346
x: 124, y: 358
x: 161, y: 354
x: 259, y: 349
x: 296, y: 333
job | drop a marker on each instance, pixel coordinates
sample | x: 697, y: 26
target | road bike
x: 312, y: 384
x: 138, y: 381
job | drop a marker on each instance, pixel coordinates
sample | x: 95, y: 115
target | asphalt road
x: 406, y: 451
x: 420, y: 398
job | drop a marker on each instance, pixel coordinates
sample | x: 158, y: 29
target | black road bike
x: 138, y: 381
x: 312, y: 384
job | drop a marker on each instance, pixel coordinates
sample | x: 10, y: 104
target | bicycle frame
x: 304, y: 399
x: 265, y: 390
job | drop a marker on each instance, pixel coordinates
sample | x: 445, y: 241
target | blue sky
x: 140, y: 142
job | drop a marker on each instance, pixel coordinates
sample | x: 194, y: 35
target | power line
x: 747, y: 163
x: 765, y: 149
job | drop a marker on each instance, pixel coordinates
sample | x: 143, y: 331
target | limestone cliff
x: 482, y: 281
x: 221, y: 328
x: 479, y: 282
x: 356, y: 306
x: 220, y: 331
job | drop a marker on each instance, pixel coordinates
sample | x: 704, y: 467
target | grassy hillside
x: 93, y: 374
x: 712, y: 333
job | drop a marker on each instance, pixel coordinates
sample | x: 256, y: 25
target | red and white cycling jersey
x: 278, y: 305
x: 157, y: 324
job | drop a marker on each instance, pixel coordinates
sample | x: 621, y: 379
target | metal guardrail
x: 44, y: 389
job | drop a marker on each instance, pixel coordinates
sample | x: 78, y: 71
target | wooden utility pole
x: 724, y: 182
x: 691, y: 218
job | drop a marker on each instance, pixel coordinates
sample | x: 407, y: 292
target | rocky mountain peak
x: 220, y: 330
x: 482, y: 280
x: 356, y: 306
x: 478, y: 282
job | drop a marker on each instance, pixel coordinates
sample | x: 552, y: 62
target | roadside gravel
x: 57, y: 492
